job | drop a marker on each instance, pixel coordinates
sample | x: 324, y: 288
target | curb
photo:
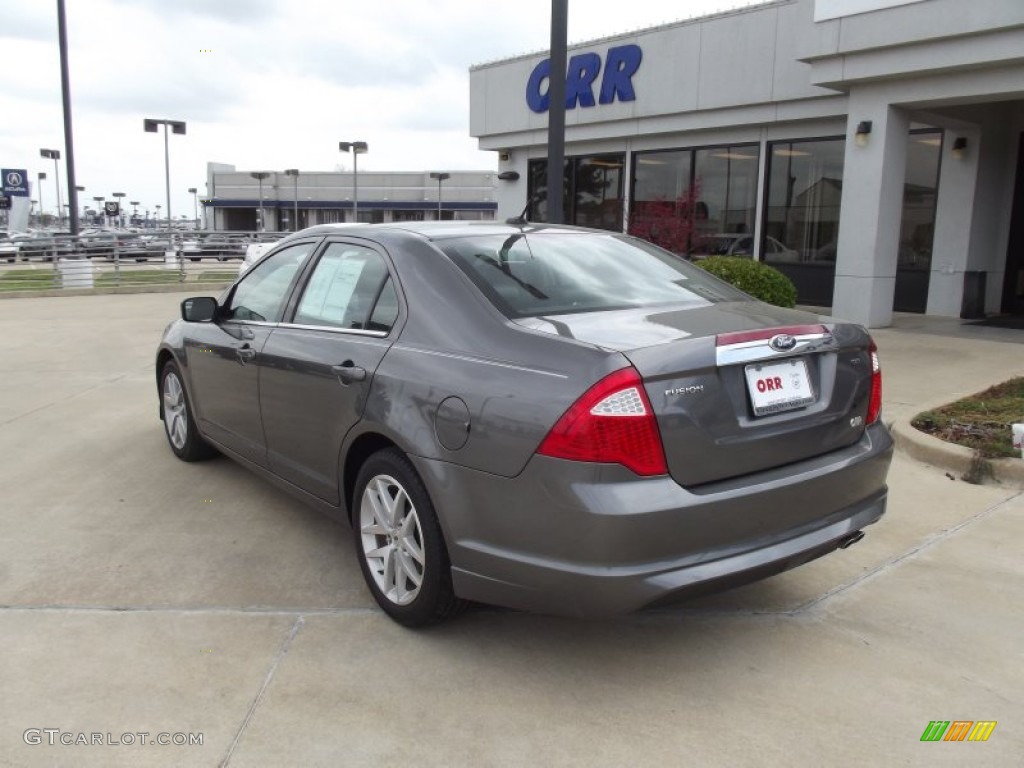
x: 953, y: 458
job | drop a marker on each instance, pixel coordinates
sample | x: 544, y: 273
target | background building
x: 871, y: 148
x: 233, y: 202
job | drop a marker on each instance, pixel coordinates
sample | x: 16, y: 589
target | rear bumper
x: 595, y: 540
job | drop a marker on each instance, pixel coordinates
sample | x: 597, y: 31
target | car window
x: 527, y: 275
x: 262, y: 293
x: 343, y: 288
x: 385, y: 311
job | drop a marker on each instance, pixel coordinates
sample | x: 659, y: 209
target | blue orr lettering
x: 621, y: 64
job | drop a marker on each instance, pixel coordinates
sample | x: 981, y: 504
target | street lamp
x: 99, y: 207
x: 135, y: 216
x: 260, y: 176
x: 54, y: 154
x: 81, y: 189
x: 356, y: 148
x: 440, y: 178
x: 120, y: 211
x: 42, y: 178
x: 177, y: 126
x: 195, y: 204
x: 294, y: 173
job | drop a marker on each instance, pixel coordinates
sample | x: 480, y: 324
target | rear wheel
x: 399, y: 543
x: 178, y: 421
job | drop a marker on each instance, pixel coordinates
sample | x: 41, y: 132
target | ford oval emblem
x: 782, y: 343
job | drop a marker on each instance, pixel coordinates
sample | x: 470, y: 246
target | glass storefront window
x: 805, y: 185
x: 920, y: 194
x: 593, y: 191
x: 682, y: 198
x: 726, y: 182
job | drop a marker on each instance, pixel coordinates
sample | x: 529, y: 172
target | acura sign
x: 15, y: 182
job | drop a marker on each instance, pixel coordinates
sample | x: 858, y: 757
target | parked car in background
x: 8, y: 248
x: 736, y: 244
x: 536, y: 416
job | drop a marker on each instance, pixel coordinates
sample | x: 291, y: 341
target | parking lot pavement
x: 140, y: 594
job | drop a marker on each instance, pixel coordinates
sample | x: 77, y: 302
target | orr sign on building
x: 621, y: 63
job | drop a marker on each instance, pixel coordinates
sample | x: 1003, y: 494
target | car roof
x: 438, y: 230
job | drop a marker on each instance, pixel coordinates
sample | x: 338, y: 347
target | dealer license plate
x: 778, y: 387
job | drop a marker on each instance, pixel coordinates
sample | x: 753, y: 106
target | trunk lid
x: 728, y: 400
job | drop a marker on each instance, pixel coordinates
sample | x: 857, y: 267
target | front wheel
x: 179, y: 423
x: 399, y: 543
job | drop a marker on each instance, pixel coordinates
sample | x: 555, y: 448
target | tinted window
x: 262, y: 293
x: 385, y: 313
x: 343, y: 288
x: 537, y: 274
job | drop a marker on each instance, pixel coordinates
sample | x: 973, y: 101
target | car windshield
x: 527, y: 275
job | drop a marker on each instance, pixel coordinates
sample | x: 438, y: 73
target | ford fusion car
x: 532, y: 416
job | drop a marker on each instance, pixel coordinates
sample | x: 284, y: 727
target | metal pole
x: 295, y: 225
x: 556, y: 111
x: 261, y: 225
x: 56, y: 181
x: 355, y: 185
x: 439, y: 197
x: 69, y: 144
x: 167, y: 179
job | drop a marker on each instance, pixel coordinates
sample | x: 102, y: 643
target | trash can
x: 75, y: 273
x: 973, y: 305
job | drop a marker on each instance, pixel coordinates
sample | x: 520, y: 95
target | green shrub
x: 759, y: 280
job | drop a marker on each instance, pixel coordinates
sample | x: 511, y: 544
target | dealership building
x: 873, y: 150
x: 289, y: 200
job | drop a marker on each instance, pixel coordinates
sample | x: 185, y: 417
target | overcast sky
x: 268, y: 84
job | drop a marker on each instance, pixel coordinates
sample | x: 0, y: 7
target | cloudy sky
x: 268, y: 84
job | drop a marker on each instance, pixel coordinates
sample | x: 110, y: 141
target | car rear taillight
x: 611, y: 423
x: 875, y: 401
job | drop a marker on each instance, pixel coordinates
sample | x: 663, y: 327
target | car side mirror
x: 199, y: 309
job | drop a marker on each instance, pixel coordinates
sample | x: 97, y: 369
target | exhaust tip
x: 851, y: 539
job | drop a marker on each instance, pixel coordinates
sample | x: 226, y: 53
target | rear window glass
x: 527, y: 275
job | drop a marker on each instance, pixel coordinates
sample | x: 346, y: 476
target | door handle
x: 247, y: 333
x: 349, y: 372
x: 245, y: 353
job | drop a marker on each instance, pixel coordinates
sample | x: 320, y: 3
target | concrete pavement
x: 140, y: 594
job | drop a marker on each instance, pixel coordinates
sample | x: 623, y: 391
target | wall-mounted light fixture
x: 861, y: 135
x: 959, y: 147
x: 508, y: 176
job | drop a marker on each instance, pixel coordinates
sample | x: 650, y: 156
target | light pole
x: 149, y: 125
x: 120, y: 212
x: 80, y: 189
x: 440, y: 178
x: 294, y: 173
x: 42, y: 178
x: 99, y: 207
x: 356, y: 148
x: 135, y: 217
x: 157, y: 206
x: 54, y: 154
x: 260, y: 176
x: 195, y: 205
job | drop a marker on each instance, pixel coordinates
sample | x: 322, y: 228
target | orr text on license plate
x: 778, y: 387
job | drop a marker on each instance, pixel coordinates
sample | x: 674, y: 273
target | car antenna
x: 520, y: 220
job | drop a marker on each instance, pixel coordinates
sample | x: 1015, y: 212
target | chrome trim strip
x: 485, y: 361
x: 331, y: 329
x: 753, y: 351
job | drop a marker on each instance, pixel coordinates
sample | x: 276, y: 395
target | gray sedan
x: 532, y: 416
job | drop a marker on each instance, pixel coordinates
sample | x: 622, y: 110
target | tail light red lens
x: 612, y: 423
x: 875, y: 401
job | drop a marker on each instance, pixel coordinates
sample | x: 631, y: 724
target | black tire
x: 191, y: 445
x: 435, y: 599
